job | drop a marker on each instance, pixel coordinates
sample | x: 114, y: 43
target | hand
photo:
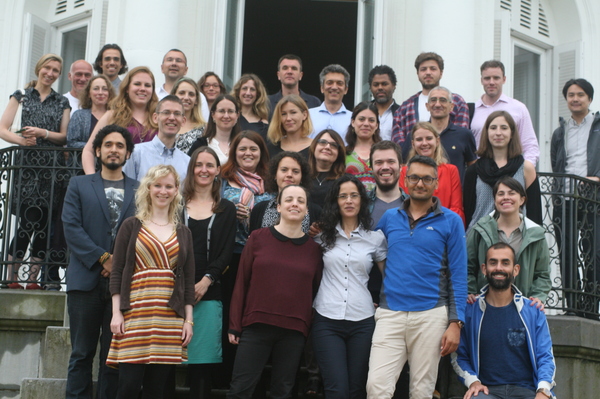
x: 471, y: 298
x: 201, y: 287
x: 107, y: 267
x: 235, y: 340
x: 243, y: 212
x: 117, y: 324
x: 314, y: 229
x: 450, y: 339
x: 594, y: 178
x: 540, y: 395
x: 186, y: 334
x: 475, y: 388
x: 537, y: 303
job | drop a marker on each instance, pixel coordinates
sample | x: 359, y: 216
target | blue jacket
x: 466, y: 359
x: 428, y: 262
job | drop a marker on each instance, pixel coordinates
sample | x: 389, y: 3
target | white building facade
x: 542, y: 43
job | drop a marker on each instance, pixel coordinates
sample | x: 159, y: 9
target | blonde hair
x: 196, y: 115
x: 440, y: 154
x: 121, y: 105
x: 143, y: 202
x: 276, y: 131
x: 46, y: 58
x: 261, y: 105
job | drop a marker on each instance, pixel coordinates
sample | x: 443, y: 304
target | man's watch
x: 211, y: 278
x: 544, y: 391
x: 460, y: 323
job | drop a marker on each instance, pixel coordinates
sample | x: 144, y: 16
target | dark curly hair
x: 271, y: 183
x: 330, y: 217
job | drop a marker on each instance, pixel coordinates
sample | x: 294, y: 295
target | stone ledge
x: 31, y: 310
x: 575, y: 337
x: 47, y: 388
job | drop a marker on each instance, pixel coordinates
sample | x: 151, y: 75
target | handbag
x: 16, y: 125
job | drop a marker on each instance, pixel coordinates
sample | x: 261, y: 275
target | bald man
x: 80, y: 74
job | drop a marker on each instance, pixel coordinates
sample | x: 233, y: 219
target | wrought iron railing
x: 33, y: 182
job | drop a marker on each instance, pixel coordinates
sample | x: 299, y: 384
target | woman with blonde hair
x: 94, y: 101
x: 290, y: 127
x: 426, y: 142
x: 152, y: 288
x: 44, y: 120
x: 250, y: 92
x: 187, y: 91
x: 132, y: 108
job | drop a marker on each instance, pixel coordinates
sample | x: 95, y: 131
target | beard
x: 502, y: 285
x: 113, y: 165
x: 386, y: 188
x: 382, y: 100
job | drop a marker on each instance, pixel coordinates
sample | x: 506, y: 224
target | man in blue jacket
x: 505, y: 348
x: 424, y: 290
x: 95, y: 206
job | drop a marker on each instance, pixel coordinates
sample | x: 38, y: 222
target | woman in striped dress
x: 152, y: 288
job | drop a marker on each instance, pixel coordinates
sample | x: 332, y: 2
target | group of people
x: 367, y: 238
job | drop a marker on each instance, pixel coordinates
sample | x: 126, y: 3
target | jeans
x: 257, y: 342
x: 507, y: 392
x: 90, y: 313
x: 342, y: 348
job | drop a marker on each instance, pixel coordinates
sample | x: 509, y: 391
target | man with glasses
x: 430, y: 69
x: 170, y: 117
x: 424, y: 292
x: 458, y: 142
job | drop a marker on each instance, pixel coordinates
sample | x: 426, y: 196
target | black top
x: 319, y: 189
x: 275, y: 149
x: 258, y: 127
x: 202, y: 141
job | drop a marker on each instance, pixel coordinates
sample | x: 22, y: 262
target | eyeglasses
x: 226, y: 111
x: 441, y: 100
x: 176, y: 114
x: 324, y: 143
x: 209, y: 85
x: 353, y: 196
x: 427, y: 180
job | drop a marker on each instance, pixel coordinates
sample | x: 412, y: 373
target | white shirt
x: 386, y: 123
x: 73, y: 102
x: 424, y: 115
x: 343, y: 294
x: 576, y: 139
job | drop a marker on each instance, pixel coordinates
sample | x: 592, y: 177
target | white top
x: 162, y: 93
x: 424, y: 115
x: 73, y: 102
x: 576, y: 139
x: 343, y: 294
x: 214, y: 144
x: 386, y: 123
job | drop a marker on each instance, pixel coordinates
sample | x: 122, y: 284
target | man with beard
x: 385, y: 160
x: 430, y: 68
x: 94, y: 208
x: 505, y: 348
x: 382, y: 81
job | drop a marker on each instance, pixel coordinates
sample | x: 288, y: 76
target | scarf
x: 251, y: 184
x: 489, y: 172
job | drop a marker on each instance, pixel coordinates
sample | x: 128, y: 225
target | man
x: 505, y: 348
x: 574, y: 150
x: 80, y: 74
x: 111, y: 62
x: 430, y: 69
x: 492, y: 80
x: 332, y: 114
x: 94, y: 208
x: 382, y: 81
x: 385, y: 160
x: 289, y: 73
x: 458, y: 142
x: 174, y: 67
x: 169, y: 116
x: 424, y: 288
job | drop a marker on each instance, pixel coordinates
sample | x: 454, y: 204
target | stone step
x: 47, y: 388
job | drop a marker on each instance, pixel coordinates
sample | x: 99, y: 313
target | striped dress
x: 152, y: 329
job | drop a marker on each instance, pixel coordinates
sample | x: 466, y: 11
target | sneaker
x: 33, y: 286
x: 15, y: 286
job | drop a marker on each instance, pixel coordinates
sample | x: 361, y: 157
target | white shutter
x: 36, y: 40
x: 567, y: 59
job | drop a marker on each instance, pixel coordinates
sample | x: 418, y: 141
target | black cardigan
x: 258, y: 212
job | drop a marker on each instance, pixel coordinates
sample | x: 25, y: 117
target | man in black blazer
x: 94, y: 208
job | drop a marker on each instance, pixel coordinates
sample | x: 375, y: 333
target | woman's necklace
x: 158, y: 224
x: 323, y: 179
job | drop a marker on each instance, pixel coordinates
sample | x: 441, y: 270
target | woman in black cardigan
x: 212, y: 222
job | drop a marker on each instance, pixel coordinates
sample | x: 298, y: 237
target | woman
x: 152, y: 288
x: 93, y: 103
x: 211, y: 220
x: 344, y: 323
x: 290, y: 127
x: 44, y: 120
x: 223, y: 125
x: 426, y: 142
x: 211, y: 85
x: 188, y: 93
x: 531, y: 250
x: 362, y: 133
x: 284, y: 169
x: 500, y: 155
x: 250, y: 92
x: 132, y: 108
x: 327, y: 161
x: 271, y: 310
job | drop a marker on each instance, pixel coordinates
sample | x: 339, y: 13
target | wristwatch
x: 544, y: 391
x: 459, y: 323
x: 211, y: 278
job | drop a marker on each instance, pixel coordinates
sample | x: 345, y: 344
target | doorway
x: 320, y: 32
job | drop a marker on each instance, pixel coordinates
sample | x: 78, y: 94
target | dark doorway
x: 319, y: 32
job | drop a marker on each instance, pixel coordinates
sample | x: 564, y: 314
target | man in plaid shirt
x: 430, y: 68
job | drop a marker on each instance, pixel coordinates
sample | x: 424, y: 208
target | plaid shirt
x: 407, y: 116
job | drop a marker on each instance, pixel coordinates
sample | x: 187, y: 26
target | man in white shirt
x: 80, y: 74
x: 332, y: 114
x: 382, y: 81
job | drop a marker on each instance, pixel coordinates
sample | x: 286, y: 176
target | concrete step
x: 47, y: 388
